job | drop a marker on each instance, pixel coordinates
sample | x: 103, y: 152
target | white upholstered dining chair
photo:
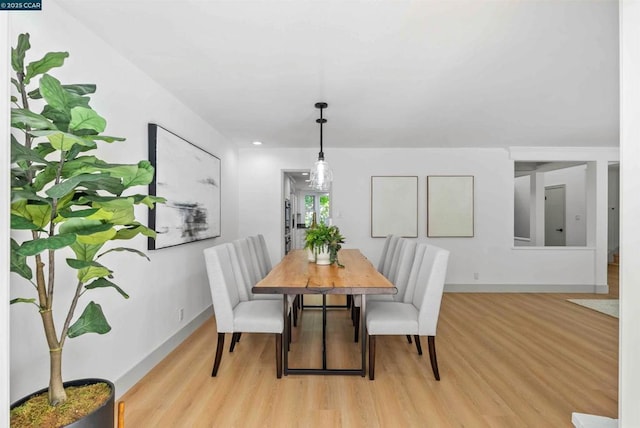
x: 417, y: 314
x: 400, y: 263
x: 234, y: 315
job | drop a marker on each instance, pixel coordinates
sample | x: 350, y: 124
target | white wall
x: 521, y: 207
x: 629, y: 370
x: 490, y: 253
x: 175, y: 278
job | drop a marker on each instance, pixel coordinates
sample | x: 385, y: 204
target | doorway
x: 554, y: 216
x: 302, y: 204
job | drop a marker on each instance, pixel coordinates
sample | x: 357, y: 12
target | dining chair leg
x: 418, y: 344
x: 219, y: 349
x: 409, y: 338
x: 235, y: 338
x: 290, y: 333
x: 294, y: 309
x: 356, y: 325
x: 278, y: 355
x: 372, y: 357
x: 432, y: 356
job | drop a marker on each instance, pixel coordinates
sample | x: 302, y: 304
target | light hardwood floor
x: 506, y: 360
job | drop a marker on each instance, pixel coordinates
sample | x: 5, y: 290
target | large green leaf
x: 27, y: 194
x: 102, y: 214
x: 59, y: 118
x: 54, y: 94
x: 104, y: 282
x: 98, y: 237
x: 44, y: 177
x: 131, y: 175
x: 109, y: 184
x: 142, y: 176
x: 19, y: 262
x: 17, y: 53
x: 65, y: 141
x: 68, y: 213
x: 115, y: 216
x: 23, y: 300
x: 33, y: 247
x: 75, y: 89
x: 49, y: 61
x: 85, y: 118
x: 44, y: 148
x: 20, y: 208
x: 85, y: 252
x: 148, y: 200
x: 107, y: 138
x: 19, y: 152
x: 69, y: 200
x: 77, y: 165
x: 82, y: 226
x: 77, y: 148
x: 92, y: 320
x: 131, y: 250
x: 68, y: 185
x: 88, y: 270
x: 21, y: 117
x: 82, y: 264
x: 104, y: 201
x: 130, y: 232
x: 39, y: 213
x: 21, y: 223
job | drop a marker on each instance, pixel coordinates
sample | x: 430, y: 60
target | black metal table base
x: 325, y: 370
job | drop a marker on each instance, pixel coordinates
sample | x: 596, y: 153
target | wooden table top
x: 296, y: 275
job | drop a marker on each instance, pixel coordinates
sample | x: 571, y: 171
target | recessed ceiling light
x: 305, y: 173
x: 257, y: 143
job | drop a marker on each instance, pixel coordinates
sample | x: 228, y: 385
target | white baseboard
x: 136, y: 373
x: 525, y: 288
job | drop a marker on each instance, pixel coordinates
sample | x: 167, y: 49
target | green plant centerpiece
x: 322, y: 237
x: 65, y: 199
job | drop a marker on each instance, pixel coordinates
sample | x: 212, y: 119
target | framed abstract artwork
x: 449, y: 206
x: 189, y: 178
x: 394, y: 206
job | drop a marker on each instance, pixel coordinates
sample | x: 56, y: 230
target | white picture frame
x: 189, y: 178
x: 394, y: 206
x: 450, y: 201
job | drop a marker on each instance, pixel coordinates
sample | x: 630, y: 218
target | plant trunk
x: 57, y: 395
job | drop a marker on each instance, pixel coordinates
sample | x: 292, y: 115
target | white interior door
x: 554, y: 216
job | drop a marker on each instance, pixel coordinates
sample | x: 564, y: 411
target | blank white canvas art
x: 394, y: 206
x: 189, y: 178
x: 449, y: 206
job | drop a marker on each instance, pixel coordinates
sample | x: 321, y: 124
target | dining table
x: 353, y: 275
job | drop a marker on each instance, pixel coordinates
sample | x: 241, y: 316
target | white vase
x: 323, y: 257
x: 311, y: 255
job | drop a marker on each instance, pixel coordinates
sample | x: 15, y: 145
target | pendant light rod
x: 321, y: 121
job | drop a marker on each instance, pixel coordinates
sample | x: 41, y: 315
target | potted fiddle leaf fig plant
x: 324, y: 242
x: 65, y: 203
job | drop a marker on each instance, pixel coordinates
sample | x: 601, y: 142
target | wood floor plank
x: 506, y: 360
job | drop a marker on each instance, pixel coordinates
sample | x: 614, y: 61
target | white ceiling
x: 395, y: 73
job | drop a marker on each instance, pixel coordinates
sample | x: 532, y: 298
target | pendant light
x: 321, y: 175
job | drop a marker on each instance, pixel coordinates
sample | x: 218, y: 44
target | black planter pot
x: 102, y: 417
